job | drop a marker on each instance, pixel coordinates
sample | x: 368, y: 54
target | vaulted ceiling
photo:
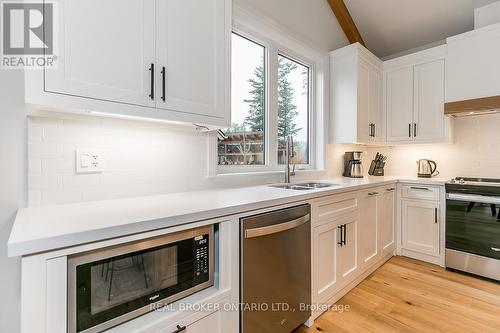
x: 392, y: 26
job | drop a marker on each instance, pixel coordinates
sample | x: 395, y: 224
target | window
x: 243, y: 142
x: 269, y: 102
x: 293, y: 109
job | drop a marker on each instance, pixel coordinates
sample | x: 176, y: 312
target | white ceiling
x: 310, y: 21
x: 392, y: 26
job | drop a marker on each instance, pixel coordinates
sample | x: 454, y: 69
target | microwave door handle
x: 273, y: 229
x: 473, y: 198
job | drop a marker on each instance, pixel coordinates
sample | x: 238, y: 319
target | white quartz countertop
x: 46, y: 228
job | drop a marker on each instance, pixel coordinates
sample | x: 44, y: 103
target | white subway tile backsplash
x: 61, y: 196
x: 34, y: 167
x: 58, y: 166
x: 45, y: 150
x: 475, y: 152
x: 83, y: 180
x: 34, y: 198
x: 45, y: 182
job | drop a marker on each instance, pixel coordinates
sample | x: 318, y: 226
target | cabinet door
x: 325, y: 247
x: 368, y: 249
x: 385, y: 218
x: 363, y: 102
x: 399, y: 104
x: 212, y: 323
x: 420, y: 223
x: 347, y: 254
x: 192, y: 45
x: 106, y: 49
x: 429, y: 101
x: 376, y: 117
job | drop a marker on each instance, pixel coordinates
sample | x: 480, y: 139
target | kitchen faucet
x: 289, y: 153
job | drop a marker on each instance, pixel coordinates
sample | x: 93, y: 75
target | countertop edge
x: 47, y: 244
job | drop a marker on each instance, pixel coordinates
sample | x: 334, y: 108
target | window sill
x: 258, y: 174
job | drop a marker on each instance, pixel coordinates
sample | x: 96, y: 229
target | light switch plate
x: 89, y: 161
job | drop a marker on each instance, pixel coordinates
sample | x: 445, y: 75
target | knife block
x: 376, y: 169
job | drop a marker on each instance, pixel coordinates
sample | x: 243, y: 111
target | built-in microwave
x: 109, y: 286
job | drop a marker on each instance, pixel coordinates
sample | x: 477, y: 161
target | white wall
x: 12, y: 190
x: 475, y: 153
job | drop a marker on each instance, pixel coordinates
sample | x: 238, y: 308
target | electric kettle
x: 427, y: 168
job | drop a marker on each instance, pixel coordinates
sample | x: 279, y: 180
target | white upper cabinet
x: 106, y: 50
x: 399, y: 104
x: 356, y: 96
x: 191, y: 56
x: 415, y: 88
x: 472, y: 64
x: 164, y: 59
x: 428, y: 114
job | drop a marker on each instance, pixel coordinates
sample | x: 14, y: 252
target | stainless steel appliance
x: 109, y: 286
x: 473, y: 226
x: 352, y: 164
x: 426, y: 168
x: 275, y: 270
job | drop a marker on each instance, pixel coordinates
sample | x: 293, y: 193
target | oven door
x: 110, y: 286
x: 473, y: 224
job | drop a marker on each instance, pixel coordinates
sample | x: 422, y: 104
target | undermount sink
x: 304, y: 186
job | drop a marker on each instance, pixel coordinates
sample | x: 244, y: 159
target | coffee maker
x: 352, y: 164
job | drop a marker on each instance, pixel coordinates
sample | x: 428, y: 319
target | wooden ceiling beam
x: 346, y: 22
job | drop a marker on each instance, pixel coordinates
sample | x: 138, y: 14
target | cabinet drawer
x: 422, y: 192
x: 326, y: 209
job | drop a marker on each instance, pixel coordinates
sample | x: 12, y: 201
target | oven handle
x: 473, y: 198
x: 273, y: 229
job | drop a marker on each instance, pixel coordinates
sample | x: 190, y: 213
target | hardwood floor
x: 406, y: 295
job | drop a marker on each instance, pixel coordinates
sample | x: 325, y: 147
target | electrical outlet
x: 89, y: 161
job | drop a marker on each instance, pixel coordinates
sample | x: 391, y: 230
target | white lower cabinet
x: 347, y: 253
x: 386, y: 231
x: 325, y: 239
x: 420, y: 226
x: 368, y: 248
x: 335, y: 256
x: 212, y: 323
x: 347, y: 245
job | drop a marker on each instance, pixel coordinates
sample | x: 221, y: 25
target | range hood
x: 472, y: 107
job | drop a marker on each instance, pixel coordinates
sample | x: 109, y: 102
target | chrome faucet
x: 289, y: 153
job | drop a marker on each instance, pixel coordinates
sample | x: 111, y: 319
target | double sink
x: 304, y: 186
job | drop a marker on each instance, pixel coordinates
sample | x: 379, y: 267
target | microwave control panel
x: 201, y: 249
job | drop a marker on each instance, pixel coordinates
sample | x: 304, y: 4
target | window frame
x: 303, y: 55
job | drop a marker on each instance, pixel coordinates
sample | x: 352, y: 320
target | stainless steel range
x: 473, y: 226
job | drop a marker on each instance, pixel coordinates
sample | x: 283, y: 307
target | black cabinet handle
x: 435, y: 215
x: 163, y: 74
x: 152, y: 93
x: 420, y: 188
x: 409, y: 130
x: 370, y: 130
x: 415, y: 130
x: 340, y: 242
x: 179, y: 329
x: 374, y: 130
x: 344, y: 239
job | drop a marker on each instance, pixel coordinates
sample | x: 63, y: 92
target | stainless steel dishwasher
x: 275, y: 270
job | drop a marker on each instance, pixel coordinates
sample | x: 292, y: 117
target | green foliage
x: 236, y: 128
x: 287, y: 111
x: 255, y: 119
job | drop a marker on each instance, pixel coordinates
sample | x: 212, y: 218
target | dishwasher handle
x: 273, y: 229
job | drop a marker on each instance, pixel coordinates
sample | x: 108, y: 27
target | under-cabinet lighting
x: 112, y: 115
